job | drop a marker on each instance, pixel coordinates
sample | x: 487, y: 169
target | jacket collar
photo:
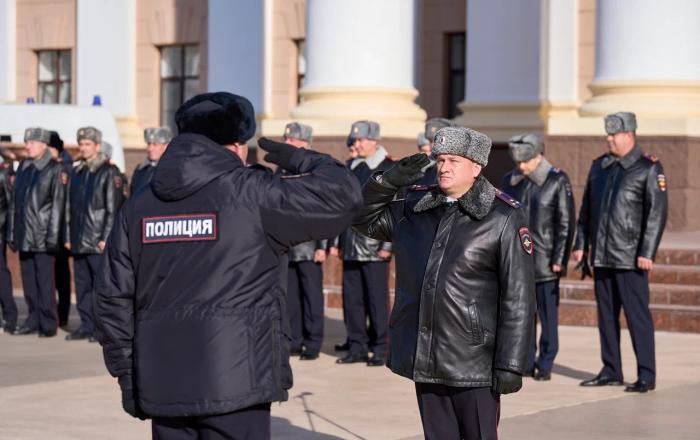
x: 372, y: 161
x: 626, y: 161
x: 476, y: 202
x: 44, y: 160
x: 538, y: 176
x: 94, y: 164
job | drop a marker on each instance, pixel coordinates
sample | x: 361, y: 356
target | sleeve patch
x: 526, y: 240
x: 661, y: 181
x: 64, y: 178
x: 118, y: 182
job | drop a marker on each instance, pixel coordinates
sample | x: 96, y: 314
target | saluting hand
x: 279, y: 153
x: 407, y: 171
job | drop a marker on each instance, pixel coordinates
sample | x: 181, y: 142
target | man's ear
x: 477, y: 170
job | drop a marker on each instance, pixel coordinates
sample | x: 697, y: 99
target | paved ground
x: 60, y: 390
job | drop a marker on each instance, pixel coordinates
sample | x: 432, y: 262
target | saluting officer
x: 622, y: 218
x: 95, y: 195
x: 545, y: 193
x: 305, y: 274
x: 199, y: 343
x: 157, y: 139
x: 36, y: 215
x: 365, y: 262
x: 461, y: 326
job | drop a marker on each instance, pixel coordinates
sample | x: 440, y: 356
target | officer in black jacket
x: 201, y: 342
x: 157, y: 139
x: 62, y: 257
x: 305, y: 274
x: 7, y: 301
x: 545, y: 193
x: 36, y: 213
x: 95, y: 195
x: 365, y: 262
x: 622, y: 218
x: 461, y: 326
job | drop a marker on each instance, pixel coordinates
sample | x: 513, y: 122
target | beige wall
x: 42, y: 24
x: 160, y: 23
x: 289, y: 24
x: 436, y: 18
x: 586, y: 46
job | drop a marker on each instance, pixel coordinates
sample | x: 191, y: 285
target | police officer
x: 157, y: 139
x: 545, y: 193
x: 305, y: 275
x: 107, y: 149
x: 199, y: 343
x: 461, y: 326
x: 621, y: 221
x: 365, y: 263
x: 431, y: 127
x: 7, y: 301
x: 36, y: 213
x: 61, y: 260
x: 95, y: 195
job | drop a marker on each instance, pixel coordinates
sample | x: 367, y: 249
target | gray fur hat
x: 157, y: 135
x: 620, y: 122
x: 365, y: 130
x: 298, y: 131
x: 421, y: 140
x: 90, y: 133
x: 524, y: 146
x: 433, y: 125
x: 462, y: 141
x: 37, y: 134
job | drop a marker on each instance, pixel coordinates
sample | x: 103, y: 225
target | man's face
x: 352, y: 151
x: 35, y: 149
x: 365, y: 147
x: 297, y: 142
x: 88, y: 149
x: 426, y: 149
x: 528, y: 166
x: 619, y: 144
x: 155, y: 151
x: 456, y: 174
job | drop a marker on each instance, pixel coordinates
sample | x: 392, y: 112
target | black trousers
x: 451, y: 413
x: 366, y: 294
x: 85, y: 266
x: 548, y: 314
x: 62, y: 272
x: 305, y: 304
x: 629, y: 290
x: 37, y: 280
x: 247, y: 424
x: 7, y: 301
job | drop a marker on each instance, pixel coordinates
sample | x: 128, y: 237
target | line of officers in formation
x: 52, y: 208
x: 620, y: 225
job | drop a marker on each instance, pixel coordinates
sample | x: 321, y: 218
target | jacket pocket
x: 474, y: 323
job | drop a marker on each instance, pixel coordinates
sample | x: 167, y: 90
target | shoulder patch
x: 661, y: 181
x: 508, y: 200
x: 423, y: 188
x: 64, y: 178
x: 176, y: 228
x: 526, y: 240
x: 650, y: 157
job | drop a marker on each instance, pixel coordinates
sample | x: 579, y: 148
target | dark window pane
x: 47, y: 93
x: 64, y: 65
x: 47, y: 65
x: 171, y: 61
x: 170, y: 100
x: 457, y: 52
x: 191, y: 89
x: 191, y: 61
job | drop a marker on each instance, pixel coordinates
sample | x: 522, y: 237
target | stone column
x: 8, y: 51
x: 106, y: 61
x: 360, y: 65
x: 647, y: 60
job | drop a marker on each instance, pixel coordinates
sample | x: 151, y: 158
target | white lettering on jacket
x: 181, y: 227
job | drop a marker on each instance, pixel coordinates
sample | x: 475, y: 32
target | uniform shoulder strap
x: 508, y: 200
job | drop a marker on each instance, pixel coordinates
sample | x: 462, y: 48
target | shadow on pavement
x: 282, y: 429
x: 333, y: 333
x: 572, y: 372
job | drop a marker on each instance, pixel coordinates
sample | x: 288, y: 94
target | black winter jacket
x: 624, y: 210
x: 190, y: 306
x: 95, y: 195
x: 465, y: 293
x: 142, y: 175
x: 38, y: 204
x: 549, y: 204
x: 5, y: 198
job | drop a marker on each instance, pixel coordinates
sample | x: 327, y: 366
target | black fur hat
x: 56, y: 141
x: 223, y: 117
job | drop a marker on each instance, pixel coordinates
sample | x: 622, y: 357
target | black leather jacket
x: 305, y: 251
x: 547, y: 200
x: 95, y: 196
x: 354, y: 246
x: 624, y: 210
x: 5, y: 197
x: 37, y: 207
x: 142, y: 175
x: 465, y: 291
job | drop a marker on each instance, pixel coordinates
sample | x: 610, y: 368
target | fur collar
x: 373, y: 161
x: 44, y: 160
x: 476, y: 202
x: 94, y: 164
x: 538, y: 176
x: 625, y: 161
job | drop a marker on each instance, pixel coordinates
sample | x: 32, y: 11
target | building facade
x: 555, y: 67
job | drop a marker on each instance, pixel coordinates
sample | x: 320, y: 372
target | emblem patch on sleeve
x: 174, y: 228
x: 118, y: 181
x: 526, y: 240
x: 64, y: 178
x: 661, y: 180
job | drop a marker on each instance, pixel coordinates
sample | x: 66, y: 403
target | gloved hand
x: 407, y: 171
x: 506, y: 382
x: 279, y: 153
x: 129, y: 402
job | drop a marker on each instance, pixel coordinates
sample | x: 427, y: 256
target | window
x: 53, y: 86
x: 456, y: 62
x: 301, y: 65
x: 179, y: 79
